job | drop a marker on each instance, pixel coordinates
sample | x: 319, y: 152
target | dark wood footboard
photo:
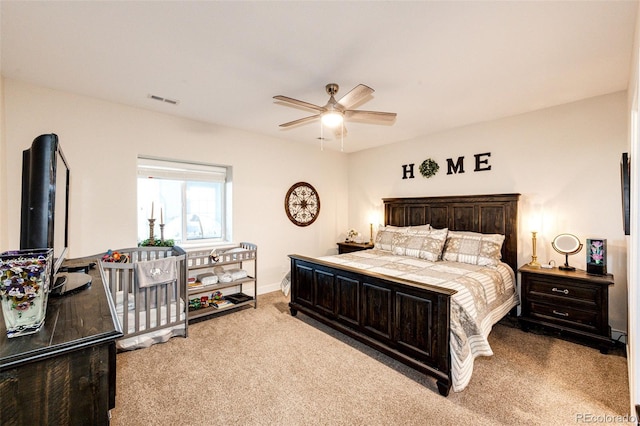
x: 404, y: 320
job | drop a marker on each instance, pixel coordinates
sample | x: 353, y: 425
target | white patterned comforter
x: 484, y: 295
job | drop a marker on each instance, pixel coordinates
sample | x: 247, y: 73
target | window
x: 191, y: 200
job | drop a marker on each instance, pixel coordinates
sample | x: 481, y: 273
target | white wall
x: 3, y: 170
x: 565, y: 161
x: 633, y: 355
x: 102, y: 140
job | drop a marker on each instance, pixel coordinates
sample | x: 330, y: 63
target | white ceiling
x: 437, y: 64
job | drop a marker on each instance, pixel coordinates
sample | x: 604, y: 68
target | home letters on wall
x: 429, y: 167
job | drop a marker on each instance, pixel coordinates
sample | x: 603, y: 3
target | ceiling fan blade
x: 299, y: 103
x: 371, y: 116
x: 357, y: 94
x: 300, y: 121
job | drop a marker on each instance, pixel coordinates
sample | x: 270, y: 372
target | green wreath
x: 429, y: 168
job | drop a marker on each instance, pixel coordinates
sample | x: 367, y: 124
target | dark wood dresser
x: 572, y: 302
x: 65, y: 374
x: 349, y: 247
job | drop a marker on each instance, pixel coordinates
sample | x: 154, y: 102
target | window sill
x: 207, y: 245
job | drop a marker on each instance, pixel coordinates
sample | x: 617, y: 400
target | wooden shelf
x: 219, y: 286
x: 203, y: 260
x: 210, y: 310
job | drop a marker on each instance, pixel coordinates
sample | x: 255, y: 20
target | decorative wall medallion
x: 302, y: 204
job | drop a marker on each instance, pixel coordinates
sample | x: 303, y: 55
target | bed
x: 387, y: 299
x: 149, y: 290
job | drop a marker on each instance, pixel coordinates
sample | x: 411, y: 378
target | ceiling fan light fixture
x: 334, y: 113
x: 332, y: 118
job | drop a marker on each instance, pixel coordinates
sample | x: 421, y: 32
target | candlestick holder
x: 534, y: 257
x: 162, y: 232
x: 152, y: 240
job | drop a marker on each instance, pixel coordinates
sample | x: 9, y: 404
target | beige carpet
x: 264, y: 367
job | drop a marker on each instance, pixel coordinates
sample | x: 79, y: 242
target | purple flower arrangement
x: 24, y: 287
x: 21, y: 282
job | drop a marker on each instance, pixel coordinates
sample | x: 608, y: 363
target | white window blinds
x: 177, y: 170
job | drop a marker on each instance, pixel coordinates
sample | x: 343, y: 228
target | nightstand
x: 567, y: 301
x: 351, y: 247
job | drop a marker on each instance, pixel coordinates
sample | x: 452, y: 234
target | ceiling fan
x: 335, y: 112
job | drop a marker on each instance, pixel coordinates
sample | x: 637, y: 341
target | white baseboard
x: 262, y: 289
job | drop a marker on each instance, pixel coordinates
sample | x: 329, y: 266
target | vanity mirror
x: 566, y: 244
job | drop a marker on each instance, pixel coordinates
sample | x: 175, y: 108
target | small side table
x: 351, y: 247
x: 568, y: 301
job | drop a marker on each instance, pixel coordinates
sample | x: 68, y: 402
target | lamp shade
x: 332, y: 119
x: 535, y: 222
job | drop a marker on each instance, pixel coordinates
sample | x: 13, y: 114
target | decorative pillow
x: 473, y: 248
x: 405, y: 241
x: 423, y: 244
x: 384, y: 237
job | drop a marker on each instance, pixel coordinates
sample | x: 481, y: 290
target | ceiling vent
x: 167, y: 100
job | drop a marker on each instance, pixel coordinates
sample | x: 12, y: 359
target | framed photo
x: 625, y: 173
x: 597, y: 256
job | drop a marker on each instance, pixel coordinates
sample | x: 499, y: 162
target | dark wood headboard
x: 488, y: 214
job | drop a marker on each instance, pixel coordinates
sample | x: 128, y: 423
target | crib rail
x: 143, y: 310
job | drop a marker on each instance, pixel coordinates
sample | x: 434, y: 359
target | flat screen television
x: 44, y: 221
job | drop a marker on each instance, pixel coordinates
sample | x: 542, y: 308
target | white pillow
x: 418, y: 228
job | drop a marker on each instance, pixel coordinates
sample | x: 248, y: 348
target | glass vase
x: 24, y: 289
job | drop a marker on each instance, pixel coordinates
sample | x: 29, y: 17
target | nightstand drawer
x: 350, y: 247
x: 540, y: 288
x: 564, y: 315
x: 571, y: 302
